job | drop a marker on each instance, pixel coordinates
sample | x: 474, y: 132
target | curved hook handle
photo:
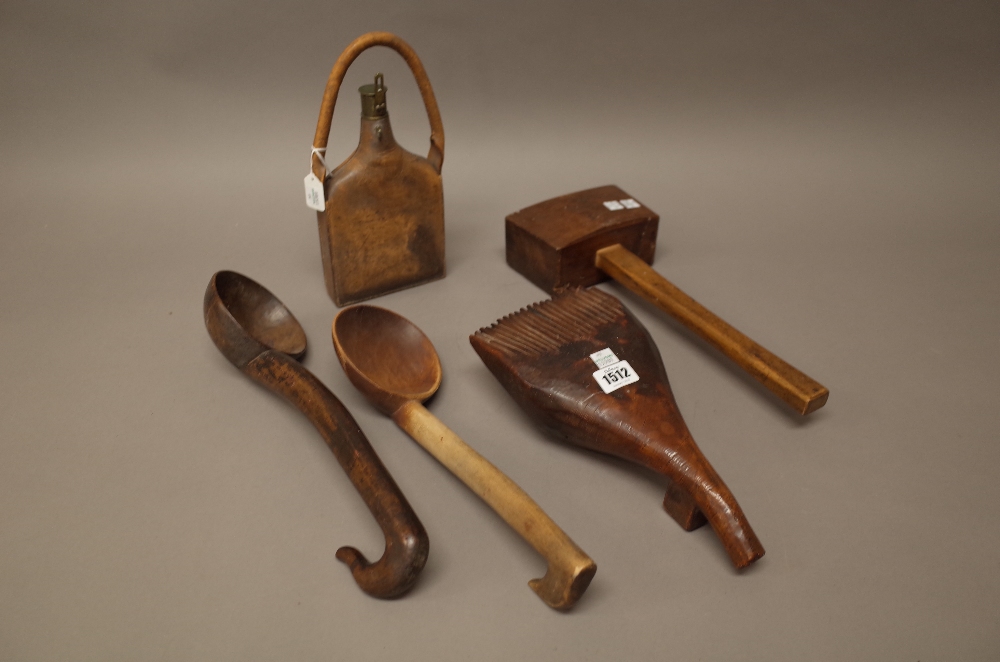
x: 570, y: 570
x: 406, y: 541
x: 356, y: 47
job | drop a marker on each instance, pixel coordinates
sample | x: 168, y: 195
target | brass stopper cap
x: 373, y: 99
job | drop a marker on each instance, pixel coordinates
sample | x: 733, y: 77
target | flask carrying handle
x: 356, y: 47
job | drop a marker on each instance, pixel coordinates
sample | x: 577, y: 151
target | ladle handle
x: 569, y: 568
x: 406, y: 542
x: 800, y: 391
x: 353, y: 50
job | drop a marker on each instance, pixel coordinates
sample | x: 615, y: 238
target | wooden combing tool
x: 587, y: 371
x: 583, y: 238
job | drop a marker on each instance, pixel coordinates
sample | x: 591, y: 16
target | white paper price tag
x: 613, y: 377
x: 603, y: 358
x: 314, y: 193
x: 617, y: 205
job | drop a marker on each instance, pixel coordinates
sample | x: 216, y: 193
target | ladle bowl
x: 391, y: 361
x: 386, y: 357
x: 251, y: 320
x: 261, y: 337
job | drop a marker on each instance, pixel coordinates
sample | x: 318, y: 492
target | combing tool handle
x: 570, y: 569
x: 803, y: 393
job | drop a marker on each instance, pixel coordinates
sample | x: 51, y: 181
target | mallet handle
x: 803, y: 393
x: 569, y: 568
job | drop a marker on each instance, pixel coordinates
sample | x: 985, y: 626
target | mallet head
x: 553, y: 243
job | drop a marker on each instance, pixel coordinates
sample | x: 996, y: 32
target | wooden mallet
x: 583, y: 238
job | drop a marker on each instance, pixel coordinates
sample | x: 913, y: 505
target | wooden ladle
x: 396, y: 367
x: 262, y: 338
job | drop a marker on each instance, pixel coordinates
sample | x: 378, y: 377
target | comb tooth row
x: 548, y: 325
x: 521, y: 337
x: 509, y: 344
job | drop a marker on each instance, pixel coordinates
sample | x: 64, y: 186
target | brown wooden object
x: 262, y: 338
x: 542, y: 356
x: 577, y: 241
x: 396, y: 367
x: 383, y: 226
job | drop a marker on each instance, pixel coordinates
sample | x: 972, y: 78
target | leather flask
x: 382, y: 226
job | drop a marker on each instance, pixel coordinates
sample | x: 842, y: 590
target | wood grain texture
x: 801, y: 392
x: 261, y: 337
x: 396, y: 367
x: 575, y: 240
x: 383, y: 226
x: 552, y: 243
x: 541, y: 355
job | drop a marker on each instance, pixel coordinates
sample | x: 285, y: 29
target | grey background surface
x: 826, y: 174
